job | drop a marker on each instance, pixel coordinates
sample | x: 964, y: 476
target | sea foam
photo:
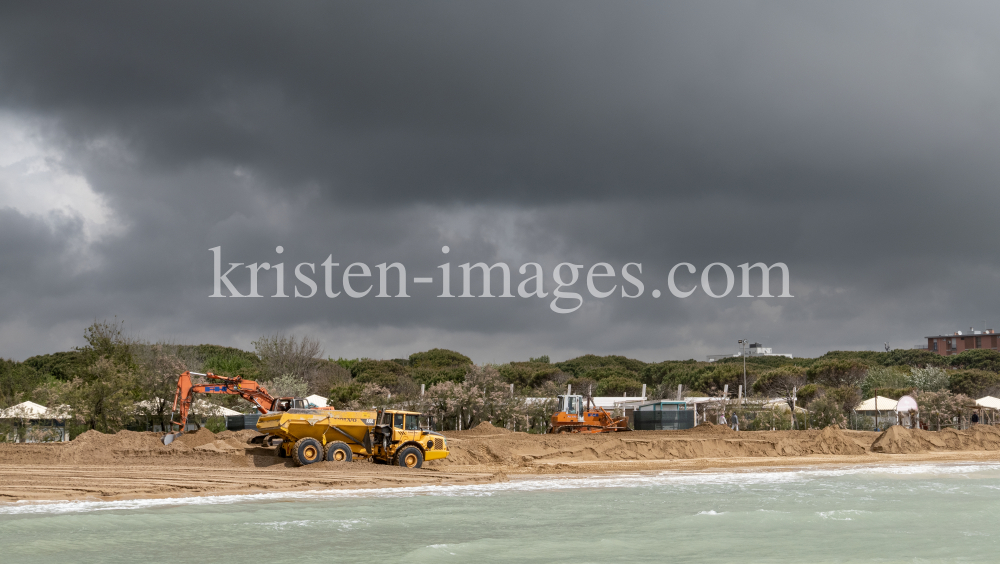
x: 734, y: 478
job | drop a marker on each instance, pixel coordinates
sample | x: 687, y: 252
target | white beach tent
x: 989, y: 402
x: 25, y: 410
x: 31, y: 411
x: 907, y: 404
x: 884, y: 404
x: 199, y: 405
x: 211, y: 409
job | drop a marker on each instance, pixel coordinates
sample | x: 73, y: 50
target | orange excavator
x: 573, y: 416
x: 235, y: 385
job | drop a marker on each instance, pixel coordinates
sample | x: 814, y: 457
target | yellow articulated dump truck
x: 386, y: 437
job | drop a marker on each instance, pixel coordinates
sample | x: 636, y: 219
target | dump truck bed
x: 326, y: 426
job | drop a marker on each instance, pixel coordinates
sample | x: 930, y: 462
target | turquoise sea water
x: 911, y: 513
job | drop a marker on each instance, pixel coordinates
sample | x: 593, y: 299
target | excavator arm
x: 236, y: 385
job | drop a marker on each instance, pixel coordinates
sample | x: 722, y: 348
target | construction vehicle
x: 235, y: 385
x: 572, y: 417
x: 386, y: 437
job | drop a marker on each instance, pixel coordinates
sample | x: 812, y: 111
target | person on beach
x: 736, y: 422
x: 722, y: 418
x: 975, y: 418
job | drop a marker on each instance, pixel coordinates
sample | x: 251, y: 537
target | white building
x: 755, y: 349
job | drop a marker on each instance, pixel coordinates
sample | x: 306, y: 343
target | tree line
x: 116, y: 381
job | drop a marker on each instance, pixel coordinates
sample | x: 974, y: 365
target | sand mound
x: 130, y: 440
x: 241, y: 437
x: 196, y: 439
x: 899, y: 440
x: 487, y: 428
x: 832, y: 440
x: 710, y: 428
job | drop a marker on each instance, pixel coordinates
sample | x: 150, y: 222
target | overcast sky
x: 856, y: 142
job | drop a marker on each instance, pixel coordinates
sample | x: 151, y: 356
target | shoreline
x: 133, y: 466
x: 357, y: 478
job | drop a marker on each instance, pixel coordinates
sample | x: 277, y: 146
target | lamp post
x: 743, y: 353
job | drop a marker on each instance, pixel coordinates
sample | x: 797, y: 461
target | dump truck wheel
x: 339, y: 452
x: 280, y: 451
x: 307, y: 451
x: 410, y: 457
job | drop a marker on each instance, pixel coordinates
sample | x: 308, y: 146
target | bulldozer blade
x: 169, y: 437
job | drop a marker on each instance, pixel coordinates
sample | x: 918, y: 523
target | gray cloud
x: 856, y: 143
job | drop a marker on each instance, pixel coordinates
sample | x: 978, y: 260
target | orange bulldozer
x: 572, y: 417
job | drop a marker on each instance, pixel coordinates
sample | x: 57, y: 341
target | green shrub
x: 581, y: 386
x: 669, y: 374
x: 579, y: 366
x: 838, y: 373
x: 61, y: 365
x: 526, y: 375
x: 347, y: 364
x: 231, y: 363
x: 976, y: 359
x: 431, y: 376
x: 759, y: 363
x: 439, y: 358
x: 714, y: 379
x: 618, y: 385
x: 216, y: 424
x: 780, y: 381
x: 806, y: 394
x: 911, y: 357
x: 929, y: 378
x: 973, y: 383
x: 847, y: 397
x: 17, y: 381
x: 605, y: 372
x: 825, y: 411
x: 881, y: 378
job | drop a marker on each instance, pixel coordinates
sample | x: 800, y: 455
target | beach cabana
x: 879, y: 407
x: 988, y: 408
x: 34, y: 423
x: 989, y: 402
x: 877, y: 403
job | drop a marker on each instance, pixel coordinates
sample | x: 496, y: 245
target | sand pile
x: 130, y: 447
x: 830, y: 440
x: 899, y: 440
x: 483, y: 429
x: 127, y: 440
x: 204, y: 440
x: 522, y: 449
x: 710, y: 428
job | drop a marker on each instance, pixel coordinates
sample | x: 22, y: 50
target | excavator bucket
x: 169, y: 437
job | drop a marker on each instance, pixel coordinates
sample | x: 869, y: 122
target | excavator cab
x: 284, y: 404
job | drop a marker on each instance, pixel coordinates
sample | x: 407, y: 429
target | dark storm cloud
x: 460, y: 102
x: 855, y: 142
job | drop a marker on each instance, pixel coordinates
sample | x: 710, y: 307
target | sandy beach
x: 131, y: 465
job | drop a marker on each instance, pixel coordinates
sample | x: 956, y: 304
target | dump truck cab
x: 404, y: 438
